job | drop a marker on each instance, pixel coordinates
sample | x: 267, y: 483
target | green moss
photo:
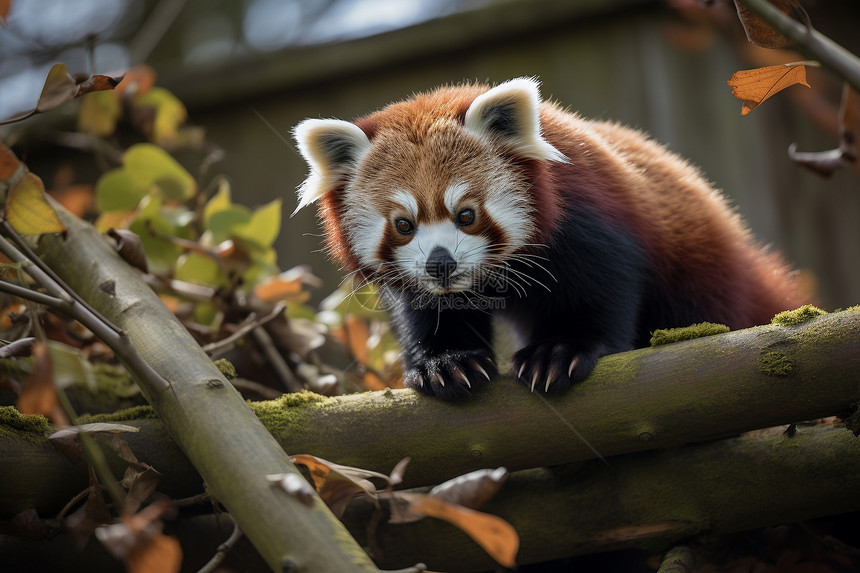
x: 670, y: 335
x: 775, y: 363
x: 794, y: 317
x: 28, y: 426
x: 135, y: 413
x: 284, y: 410
x: 226, y: 367
x: 388, y: 393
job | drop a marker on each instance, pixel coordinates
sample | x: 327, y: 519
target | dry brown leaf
x: 38, y: 392
x: 5, y: 6
x: 495, y: 535
x: 337, y: 484
x: 760, y: 32
x: 356, y: 335
x: 8, y: 163
x: 473, y: 489
x: 159, y: 554
x: 755, y: 86
x: 826, y: 162
x: 130, y: 247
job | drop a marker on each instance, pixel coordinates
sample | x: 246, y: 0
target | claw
x: 573, y: 364
x: 438, y: 378
x: 553, y: 373
x: 462, y: 376
x: 420, y: 380
x: 534, y: 380
x: 522, y: 367
x: 477, y: 367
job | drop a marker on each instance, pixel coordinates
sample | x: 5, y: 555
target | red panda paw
x: 553, y: 365
x: 452, y: 374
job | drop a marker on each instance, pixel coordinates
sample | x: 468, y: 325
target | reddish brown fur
x: 694, y: 242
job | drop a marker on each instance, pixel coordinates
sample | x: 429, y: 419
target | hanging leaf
x: 759, y: 32
x: 28, y: 211
x: 60, y: 87
x: 755, y: 86
x: 162, y: 126
x: 846, y: 155
x: 99, y: 113
x: 263, y: 225
x: 5, y: 5
x: 146, y: 167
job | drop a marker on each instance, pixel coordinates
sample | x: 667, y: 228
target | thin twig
x: 35, y: 296
x: 250, y: 325
x: 223, y: 549
x: 290, y: 382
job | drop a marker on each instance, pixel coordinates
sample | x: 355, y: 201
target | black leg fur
x: 446, y: 345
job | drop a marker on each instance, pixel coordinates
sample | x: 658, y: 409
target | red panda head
x: 432, y: 192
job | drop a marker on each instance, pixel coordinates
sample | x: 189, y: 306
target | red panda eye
x: 465, y: 217
x: 404, y: 226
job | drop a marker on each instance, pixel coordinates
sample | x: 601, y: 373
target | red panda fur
x: 695, y: 247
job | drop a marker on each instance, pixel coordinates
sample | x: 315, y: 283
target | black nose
x: 440, y: 264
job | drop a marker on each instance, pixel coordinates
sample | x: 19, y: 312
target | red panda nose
x: 440, y: 264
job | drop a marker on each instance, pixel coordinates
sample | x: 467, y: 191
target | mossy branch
x: 227, y: 445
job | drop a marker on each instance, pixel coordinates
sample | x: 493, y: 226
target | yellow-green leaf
x: 99, y: 113
x: 219, y: 202
x: 28, y: 211
x: 170, y: 113
x: 263, y: 226
x: 154, y: 166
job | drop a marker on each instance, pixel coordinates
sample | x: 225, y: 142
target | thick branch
x: 209, y: 420
x: 652, y: 398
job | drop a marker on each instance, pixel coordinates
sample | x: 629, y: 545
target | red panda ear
x: 511, y: 112
x: 332, y: 149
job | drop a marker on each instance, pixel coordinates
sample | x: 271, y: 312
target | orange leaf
x: 355, y: 329
x: 755, y: 86
x: 495, y: 535
x: 373, y: 382
x: 38, y: 393
x: 159, y: 554
x: 276, y: 288
x: 8, y: 162
x: 138, y: 80
x: 5, y: 5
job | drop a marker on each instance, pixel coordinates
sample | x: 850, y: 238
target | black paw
x: 553, y: 365
x: 452, y: 374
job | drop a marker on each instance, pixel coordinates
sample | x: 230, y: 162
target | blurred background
x: 249, y: 70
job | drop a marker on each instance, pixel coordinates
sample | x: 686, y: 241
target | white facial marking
x: 453, y: 194
x: 466, y: 250
x: 407, y: 201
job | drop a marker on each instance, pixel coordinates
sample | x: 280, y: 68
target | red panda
x: 468, y: 202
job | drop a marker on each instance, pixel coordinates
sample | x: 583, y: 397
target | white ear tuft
x: 332, y: 148
x: 511, y: 112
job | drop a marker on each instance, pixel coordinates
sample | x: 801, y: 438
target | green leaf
x: 170, y: 113
x: 263, y: 226
x: 99, y: 113
x: 199, y: 269
x: 223, y: 223
x: 161, y: 254
x: 219, y: 202
x: 28, y: 211
x: 154, y: 166
x: 118, y: 190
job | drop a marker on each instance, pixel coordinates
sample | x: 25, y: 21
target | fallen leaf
x: 337, y: 484
x: 28, y: 211
x: 473, y: 489
x: 9, y: 163
x: 755, y: 86
x: 21, y: 347
x: 158, y: 554
x: 495, y: 535
x: 38, y: 392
